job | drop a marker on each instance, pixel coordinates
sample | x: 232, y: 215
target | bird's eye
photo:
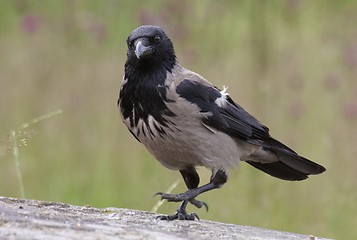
x: 130, y: 44
x: 157, y: 39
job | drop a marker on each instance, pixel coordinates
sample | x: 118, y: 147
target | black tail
x: 290, y: 166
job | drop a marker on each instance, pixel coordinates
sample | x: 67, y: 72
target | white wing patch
x: 209, y: 128
x: 222, y: 100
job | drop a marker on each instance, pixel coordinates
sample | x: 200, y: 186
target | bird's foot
x: 183, y: 197
x: 181, y: 214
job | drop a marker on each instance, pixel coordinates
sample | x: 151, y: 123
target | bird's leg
x: 191, y: 177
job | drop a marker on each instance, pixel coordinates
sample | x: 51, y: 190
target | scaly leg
x: 192, y: 179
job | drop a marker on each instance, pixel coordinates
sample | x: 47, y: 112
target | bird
x: 185, y: 122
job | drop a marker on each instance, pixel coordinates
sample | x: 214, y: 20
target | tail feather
x: 300, y: 164
x: 289, y: 165
x: 279, y: 170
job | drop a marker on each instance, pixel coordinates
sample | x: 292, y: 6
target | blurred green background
x: 292, y: 63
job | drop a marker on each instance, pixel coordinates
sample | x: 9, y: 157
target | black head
x: 150, y: 46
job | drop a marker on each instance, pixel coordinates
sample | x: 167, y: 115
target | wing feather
x: 231, y: 119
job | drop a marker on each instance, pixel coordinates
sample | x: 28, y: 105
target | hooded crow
x: 185, y: 122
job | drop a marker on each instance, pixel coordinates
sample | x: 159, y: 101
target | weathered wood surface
x: 31, y: 219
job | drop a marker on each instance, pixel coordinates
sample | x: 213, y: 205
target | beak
x: 141, y: 50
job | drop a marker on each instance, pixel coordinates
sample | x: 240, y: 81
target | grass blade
x: 169, y: 190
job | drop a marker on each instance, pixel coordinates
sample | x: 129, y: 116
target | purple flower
x: 30, y: 23
x: 350, y: 109
x: 350, y: 56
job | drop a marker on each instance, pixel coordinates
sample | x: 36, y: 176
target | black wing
x: 236, y: 122
x: 232, y: 119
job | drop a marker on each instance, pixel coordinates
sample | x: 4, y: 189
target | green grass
x: 290, y: 63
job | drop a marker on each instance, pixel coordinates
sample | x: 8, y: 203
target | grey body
x: 190, y: 142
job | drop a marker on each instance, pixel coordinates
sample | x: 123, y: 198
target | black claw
x: 168, y: 197
x: 194, y: 215
x: 166, y: 217
x: 198, y: 203
x: 179, y: 216
x: 206, y: 206
x: 158, y: 194
x: 181, y: 197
